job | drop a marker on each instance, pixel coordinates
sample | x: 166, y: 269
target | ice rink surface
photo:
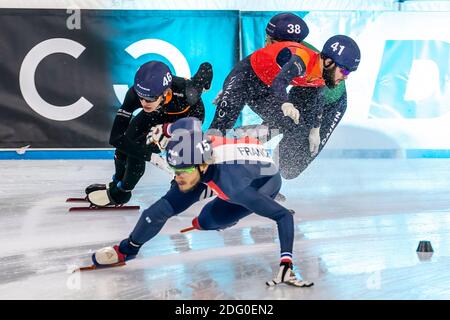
x: 358, y: 224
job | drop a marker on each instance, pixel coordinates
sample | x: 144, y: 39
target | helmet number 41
x: 336, y: 46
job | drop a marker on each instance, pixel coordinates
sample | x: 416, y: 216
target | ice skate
x: 95, y: 187
x: 113, y: 196
x: 287, y: 275
x: 110, y: 257
x: 99, y: 186
x: 107, y: 257
x: 100, y: 198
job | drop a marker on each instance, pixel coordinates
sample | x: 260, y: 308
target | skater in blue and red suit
x: 241, y: 174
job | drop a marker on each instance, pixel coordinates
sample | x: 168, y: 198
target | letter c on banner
x: 28, y: 85
x: 163, y: 48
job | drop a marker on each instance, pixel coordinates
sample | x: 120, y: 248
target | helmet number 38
x: 336, y: 47
x: 293, y: 28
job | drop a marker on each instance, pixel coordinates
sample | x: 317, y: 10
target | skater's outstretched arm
x: 199, y: 83
x: 292, y: 67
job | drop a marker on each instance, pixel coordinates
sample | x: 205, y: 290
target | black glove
x: 203, y: 77
x: 200, y: 82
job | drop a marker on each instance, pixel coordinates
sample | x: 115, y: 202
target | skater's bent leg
x: 120, y: 161
x: 294, y: 155
x: 220, y: 214
x: 135, y: 169
x: 153, y: 218
x: 262, y: 203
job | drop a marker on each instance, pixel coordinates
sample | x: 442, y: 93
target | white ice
x: 358, y: 224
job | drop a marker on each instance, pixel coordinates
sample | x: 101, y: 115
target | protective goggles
x: 344, y: 70
x: 149, y: 99
x: 184, y: 170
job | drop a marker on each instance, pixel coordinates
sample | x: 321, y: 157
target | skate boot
x: 108, y: 256
x: 111, y: 256
x: 287, y: 275
x: 114, y: 195
x: 97, y: 186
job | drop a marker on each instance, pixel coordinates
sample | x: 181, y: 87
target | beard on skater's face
x: 329, y: 75
x: 333, y: 74
x: 187, y: 180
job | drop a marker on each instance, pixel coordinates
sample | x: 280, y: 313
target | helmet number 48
x: 293, y: 28
x: 336, y: 46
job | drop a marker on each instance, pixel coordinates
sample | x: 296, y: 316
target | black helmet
x: 188, y: 146
x: 152, y: 79
x: 343, y: 51
x: 287, y: 27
